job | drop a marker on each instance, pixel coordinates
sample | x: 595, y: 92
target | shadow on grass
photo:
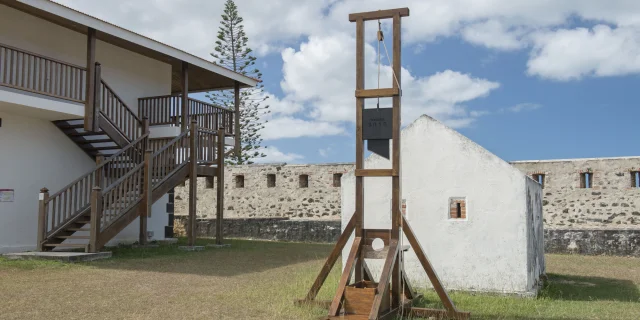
x: 577, y: 288
x: 243, y: 256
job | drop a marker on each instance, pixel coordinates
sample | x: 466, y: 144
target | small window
x: 586, y: 180
x: 539, y: 177
x: 239, y: 181
x: 337, y: 178
x: 303, y: 181
x: 635, y: 179
x: 271, y: 180
x: 457, y: 208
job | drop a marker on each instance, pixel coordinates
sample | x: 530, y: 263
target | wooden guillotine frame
x: 392, y: 295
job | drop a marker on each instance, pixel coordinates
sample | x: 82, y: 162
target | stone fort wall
x: 271, y: 191
x: 611, y: 202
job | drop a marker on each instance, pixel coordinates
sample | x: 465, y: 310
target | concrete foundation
x: 58, y: 256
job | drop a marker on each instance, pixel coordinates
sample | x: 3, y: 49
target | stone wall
x: 319, y: 198
x: 612, y: 202
x: 620, y: 242
x: 276, y: 229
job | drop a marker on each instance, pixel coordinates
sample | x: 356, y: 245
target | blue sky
x: 533, y: 79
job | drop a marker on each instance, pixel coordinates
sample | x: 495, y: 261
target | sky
x: 527, y: 79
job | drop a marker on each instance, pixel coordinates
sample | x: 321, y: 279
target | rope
x: 380, y: 39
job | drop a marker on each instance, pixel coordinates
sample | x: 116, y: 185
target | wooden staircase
x: 92, y: 143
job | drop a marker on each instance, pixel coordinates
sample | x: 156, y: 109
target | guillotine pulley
x: 359, y: 295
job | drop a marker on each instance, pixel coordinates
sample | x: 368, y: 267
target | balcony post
x: 96, y: 213
x: 185, y: 97
x: 220, y: 186
x: 236, y: 118
x: 90, y: 78
x: 42, y: 217
x: 99, y: 173
x: 97, y: 95
x: 145, y: 206
x: 193, y: 182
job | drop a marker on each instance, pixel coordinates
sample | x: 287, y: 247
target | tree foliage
x: 232, y: 52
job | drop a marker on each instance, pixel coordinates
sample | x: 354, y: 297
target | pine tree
x: 232, y: 52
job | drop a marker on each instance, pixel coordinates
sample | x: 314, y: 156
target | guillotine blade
x: 377, y: 130
x: 379, y: 147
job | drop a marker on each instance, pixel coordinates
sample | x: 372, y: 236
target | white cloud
x: 577, y: 53
x: 494, y: 34
x: 527, y: 106
x: 324, y: 152
x: 288, y: 127
x: 275, y: 155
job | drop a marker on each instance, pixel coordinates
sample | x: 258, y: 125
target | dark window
x: 337, y: 178
x: 239, y: 181
x: 539, y: 177
x: 586, y: 180
x: 635, y: 179
x: 457, y: 208
x: 303, y: 181
x: 271, y: 180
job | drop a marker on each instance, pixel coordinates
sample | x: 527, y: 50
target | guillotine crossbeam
x: 377, y: 93
x: 380, y: 14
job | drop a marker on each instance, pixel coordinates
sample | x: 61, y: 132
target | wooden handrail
x: 117, y: 111
x: 167, y: 110
x: 24, y: 70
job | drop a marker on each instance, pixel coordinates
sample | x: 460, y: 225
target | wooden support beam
x: 360, y: 73
x: 377, y: 93
x: 99, y: 177
x: 147, y: 188
x: 236, y: 119
x: 336, y: 304
x: 42, y: 217
x: 385, y: 278
x: 380, y: 14
x: 96, y: 214
x: 331, y: 260
x: 193, y: 182
x: 185, y: 97
x: 220, y: 186
x: 428, y: 268
x: 90, y: 85
x: 374, y: 173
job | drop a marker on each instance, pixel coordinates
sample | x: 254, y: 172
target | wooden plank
x: 380, y: 14
x: 377, y: 93
x: 360, y: 73
x: 369, y: 253
x: 438, y: 314
x: 396, y: 149
x: 331, y: 260
x: 385, y: 278
x: 346, y: 276
x: 428, y: 268
x: 185, y: 96
x: 374, y: 173
x: 220, y: 186
x: 236, y: 119
x: 96, y: 212
x: 193, y: 182
x: 90, y: 87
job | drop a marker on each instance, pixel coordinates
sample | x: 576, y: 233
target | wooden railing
x: 170, y: 158
x: 114, y: 108
x: 32, y: 72
x: 121, y: 196
x: 66, y: 204
x: 167, y: 110
x: 207, y: 147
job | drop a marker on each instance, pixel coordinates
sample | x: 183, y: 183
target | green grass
x: 259, y: 280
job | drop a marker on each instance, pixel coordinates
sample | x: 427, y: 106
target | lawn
x: 259, y: 280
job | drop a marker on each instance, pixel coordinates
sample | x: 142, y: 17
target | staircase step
x: 70, y: 126
x: 73, y: 237
x: 102, y: 148
x: 83, y: 221
x: 92, y: 141
x: 68, y: 245
x: 84, y: 133
x: 78, y: 229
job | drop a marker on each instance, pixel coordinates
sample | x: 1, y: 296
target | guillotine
x: 392, y: 294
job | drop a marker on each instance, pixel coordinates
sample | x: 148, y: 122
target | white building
x: 478, y: 218
x: 47, y: 79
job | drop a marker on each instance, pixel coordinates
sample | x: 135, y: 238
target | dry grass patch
x: 259, y: 280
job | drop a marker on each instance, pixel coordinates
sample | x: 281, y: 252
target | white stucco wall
x: 33, y: 152
x: 485, y: 252
x: 131, y: 75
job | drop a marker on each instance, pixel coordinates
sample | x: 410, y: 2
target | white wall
x: 485, y: 252
x: 535, y: 234
x: 131, y: 75
x: 34, y: 153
